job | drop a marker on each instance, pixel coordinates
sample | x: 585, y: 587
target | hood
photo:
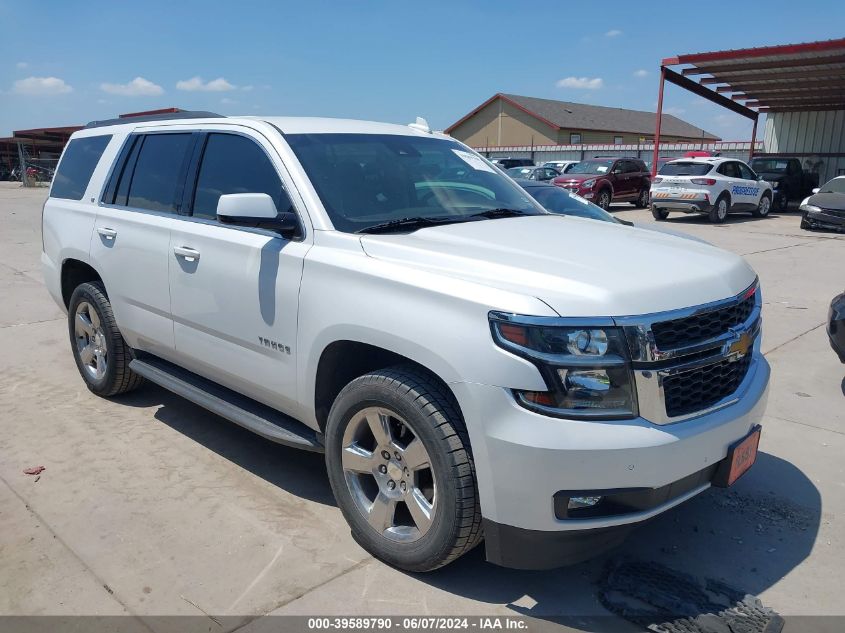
x: 579, y: 267
x: 828, y: 200
x: 576, y: 177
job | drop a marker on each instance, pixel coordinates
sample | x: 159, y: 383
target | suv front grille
x: 701, y: 327
x: 698, y: 389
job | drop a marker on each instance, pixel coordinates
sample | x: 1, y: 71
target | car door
x: 131, y: 240
x: 751, y: 189
x: 730, y: 172
x: 235, y: 289
x: 622, y: 186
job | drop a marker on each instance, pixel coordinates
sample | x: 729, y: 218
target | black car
x: 541, y: 174
x: 836, y: 326
x: 789, y: 180
x: 825, y: 209
x: 507, y: 163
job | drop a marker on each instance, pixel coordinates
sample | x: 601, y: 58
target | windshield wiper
x: 498, y: 213
x: 407, y: 223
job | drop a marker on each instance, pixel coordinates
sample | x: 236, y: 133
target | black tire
x: 719, y: 211
x: 659, y: 214
x: 805, y: 225
x: 783, y: 200
x: 642, y: 200
x: 604, y: 199
x: 431, y: 413
x: 764, y: 207
x: 117, y: 378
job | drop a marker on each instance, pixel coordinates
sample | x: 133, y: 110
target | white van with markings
x: 711, y: 186
x: 473, y: 367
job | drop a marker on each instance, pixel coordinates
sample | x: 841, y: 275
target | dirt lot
x: 149, y: 505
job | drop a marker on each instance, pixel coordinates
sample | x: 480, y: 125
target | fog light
x: 583, y: 502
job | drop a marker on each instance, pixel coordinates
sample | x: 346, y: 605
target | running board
x: 235, y: 407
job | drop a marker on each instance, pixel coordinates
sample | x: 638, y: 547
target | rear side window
x: 159, y: 174
x: 235, y: 164
x: 78, y: 163
x: 685, y: 169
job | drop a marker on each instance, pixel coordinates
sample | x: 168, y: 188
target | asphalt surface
x: 150, y: 506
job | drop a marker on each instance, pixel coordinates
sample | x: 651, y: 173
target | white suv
x: 471, y: 365
x: 713, y: 186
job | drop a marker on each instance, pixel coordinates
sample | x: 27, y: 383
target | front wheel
x: 401, y: 469
x: 763, y: 208
x: 604, y: 199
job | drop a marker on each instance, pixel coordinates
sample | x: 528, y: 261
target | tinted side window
x: 235, y: 164
x: 729, y: 170
x: 745, y: 172
x: 159, y: 172
x: 78, y: 163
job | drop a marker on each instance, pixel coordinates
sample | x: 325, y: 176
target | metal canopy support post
x: 659, y: 121
x: 753, y: 139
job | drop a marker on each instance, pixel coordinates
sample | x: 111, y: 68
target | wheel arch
x: 75, y: 272
x: 343, y: 360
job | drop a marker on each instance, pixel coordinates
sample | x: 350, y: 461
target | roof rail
x: 186, y: 114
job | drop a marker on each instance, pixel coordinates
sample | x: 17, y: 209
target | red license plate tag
x: 743, y: 455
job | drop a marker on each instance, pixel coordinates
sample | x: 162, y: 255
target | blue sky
x: 64, y: 63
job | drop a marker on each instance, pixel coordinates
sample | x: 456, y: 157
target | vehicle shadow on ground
x: 749, y: 536
x: 299, y: 472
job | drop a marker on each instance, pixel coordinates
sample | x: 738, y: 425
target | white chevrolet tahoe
x: 473, y: 367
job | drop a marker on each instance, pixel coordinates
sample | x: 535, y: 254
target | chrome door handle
x: 189, y: 254
x: 109, y: 234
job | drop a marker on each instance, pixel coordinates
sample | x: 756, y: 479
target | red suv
x: 606, y: 180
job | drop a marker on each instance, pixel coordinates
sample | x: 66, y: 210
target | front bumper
x: 825, y: 220
x: 524, y: 460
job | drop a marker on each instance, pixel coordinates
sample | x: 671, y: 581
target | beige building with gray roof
x: 509, y: 120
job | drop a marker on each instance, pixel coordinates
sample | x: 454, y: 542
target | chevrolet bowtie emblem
x: 740, y: 347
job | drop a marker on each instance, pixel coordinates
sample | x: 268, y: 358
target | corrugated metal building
x: 818, y: 138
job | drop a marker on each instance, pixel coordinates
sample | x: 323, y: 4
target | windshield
x: 591, y: 167
x: 520, y: 172
x: 685, y: 169
x: 365, y: 180
x: 837, y: 185
x: 557, y: 200
x: 769, y: 164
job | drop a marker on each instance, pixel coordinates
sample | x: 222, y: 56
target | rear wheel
x: 763, y: 208
x: 401, y: 469
x: 604, y: 199
x: 101, y: 354
x: 659, y: 214
x: 719, y: 212
x: 642, y: 200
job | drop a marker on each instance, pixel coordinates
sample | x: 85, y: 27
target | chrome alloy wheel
x: 90, y: 341
x: 389, y: 474
x: 765, y: 205
x: 722, y: 209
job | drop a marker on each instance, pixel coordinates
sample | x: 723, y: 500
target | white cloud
x: 613, y: 33
x: 247, y: 88
x: 581, y: 83
x: 641, y: 73
x: 138, y: 87
x: 673, y: 111
x: 195, y: 84
x: 41, y: 86
x: 22, y: 65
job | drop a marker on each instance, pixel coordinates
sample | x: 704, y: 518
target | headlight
x: 588, y: 184
x: 586, y: 366
x: 775, y: 184
x: 809, y: 207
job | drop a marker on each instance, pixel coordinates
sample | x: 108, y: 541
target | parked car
x: 561, y: 165
x: 836, y: 326
x: 660, y: 162
x: 712, y: 186
x: 789, y: 181
x: 542, y: 174
x: 473, y: 366
x: 562, y: 202
x: 39, y: 173
x: 507, y: 163
x: 607, y: 180
x: 825, y: 208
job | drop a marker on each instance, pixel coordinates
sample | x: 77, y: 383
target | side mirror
x: 816, y: 189
x: 256, y: 210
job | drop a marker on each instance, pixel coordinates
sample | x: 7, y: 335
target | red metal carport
x: 805, y: 77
